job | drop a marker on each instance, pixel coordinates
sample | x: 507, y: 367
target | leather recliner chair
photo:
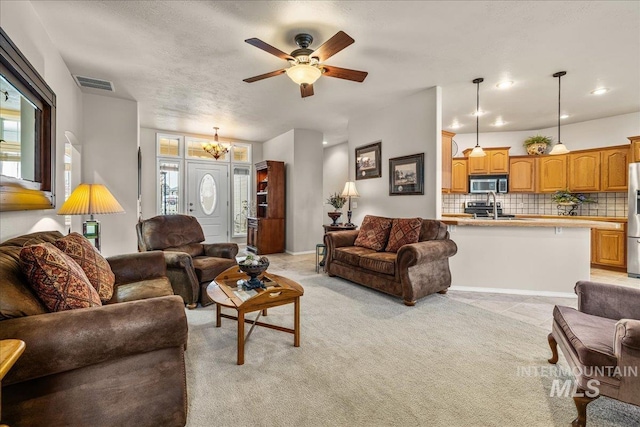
x: 191, y: 264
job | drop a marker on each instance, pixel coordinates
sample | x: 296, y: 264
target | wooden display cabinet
x: 266, y: 231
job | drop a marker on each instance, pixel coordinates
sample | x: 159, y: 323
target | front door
x: 208, y: 199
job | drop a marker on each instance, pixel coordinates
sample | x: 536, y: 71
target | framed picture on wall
x: 406, y: 175
x: 368, y: 161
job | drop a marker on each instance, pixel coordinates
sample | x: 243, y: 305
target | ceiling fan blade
x: 344, y: 73
x: 332, y: 46
x: 264, y: 76
x: 306, y: 90
x: 268, y: 48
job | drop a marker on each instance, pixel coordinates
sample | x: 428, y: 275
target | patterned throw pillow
x: 403, y: 232
x: 92, y: 263
x: 58, y: 281
x: 374, y: 232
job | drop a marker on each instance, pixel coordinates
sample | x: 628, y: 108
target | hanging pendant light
x: 559, y: 148
x: 477, y: 150
x: 217, y: 150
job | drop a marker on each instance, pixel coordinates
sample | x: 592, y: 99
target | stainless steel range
x: 484, y: 209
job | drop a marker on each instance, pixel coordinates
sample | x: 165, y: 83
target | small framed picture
x: 406, y: 175
x: 368, y: 161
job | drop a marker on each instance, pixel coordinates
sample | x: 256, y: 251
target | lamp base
x: 349, y: 223
x: 91, y: 230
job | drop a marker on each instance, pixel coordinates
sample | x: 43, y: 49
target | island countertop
x: 532, y: 222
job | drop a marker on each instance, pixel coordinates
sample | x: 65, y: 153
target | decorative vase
x: 253, y: 271
x: 334, y: 216
x: 536, y: 149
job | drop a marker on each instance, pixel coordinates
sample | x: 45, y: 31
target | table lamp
x: 350, y: 191
x: 91, y: 199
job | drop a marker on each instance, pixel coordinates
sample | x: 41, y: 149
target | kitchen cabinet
x: 551, y: 172
x: 522, y: 174
x: 496, y: 162
x: 459, y: 176
x: 635, y: 148
x: 584, y: 171
x: 608, y: 248
x: 615, y: 169
x: 447, y: 143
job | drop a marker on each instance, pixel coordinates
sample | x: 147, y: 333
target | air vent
x: 94, y: 83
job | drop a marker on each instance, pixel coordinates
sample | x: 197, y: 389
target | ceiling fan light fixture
x: 304, y: 74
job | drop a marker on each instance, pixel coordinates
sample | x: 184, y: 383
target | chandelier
x: 216, y: 149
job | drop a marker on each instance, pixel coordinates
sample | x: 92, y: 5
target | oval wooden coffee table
x: 224, y: 292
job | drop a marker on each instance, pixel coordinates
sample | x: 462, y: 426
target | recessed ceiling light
x: 455, y: 125
x: 499, y: 122
x: 504, y: 85
x: 600, y: 91
x: 479, y: 113
x: 324, y: 142
x: 564, y: 116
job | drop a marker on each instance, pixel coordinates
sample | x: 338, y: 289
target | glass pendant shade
x: 304, y: 74
x: 477, y: 152
x: 559, y: 148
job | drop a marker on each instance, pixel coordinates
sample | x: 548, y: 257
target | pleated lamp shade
x: 90, y: 199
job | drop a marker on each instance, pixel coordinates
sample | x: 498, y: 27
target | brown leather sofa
x: 601, y: 342
x: 191, y: 264
x: 119, y: 364
x: 415, y: 271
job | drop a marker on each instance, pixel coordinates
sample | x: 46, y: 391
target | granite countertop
x: 548, y: 221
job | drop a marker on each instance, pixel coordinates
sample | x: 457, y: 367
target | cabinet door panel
x: 459, y: 176
x: 552, y: 173
x: 615, y: 169
x: 522, y: 175
x: 479, y: 165
x: 610, y: 248
x: 499, y: 161
x: 584, y: 171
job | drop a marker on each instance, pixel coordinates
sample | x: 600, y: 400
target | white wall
x: 411, y: 125
x: 301, y: 150
x: 22, y: 24
x: 603, y: 132
x: 335, y: 172
x: 150, y: 173
x: 110, y: 157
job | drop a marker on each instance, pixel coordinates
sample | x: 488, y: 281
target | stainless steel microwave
x: 487, y: 183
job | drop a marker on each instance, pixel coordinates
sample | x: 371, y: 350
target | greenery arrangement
x: 538, y: 139
x: 336, y: 200
x: 565, y: 196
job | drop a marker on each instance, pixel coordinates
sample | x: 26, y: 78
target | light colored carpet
x: 367, y: 360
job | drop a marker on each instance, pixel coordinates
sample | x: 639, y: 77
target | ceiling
x: 184, y: 61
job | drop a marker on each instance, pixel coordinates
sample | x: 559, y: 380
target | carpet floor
x: 367, y: 360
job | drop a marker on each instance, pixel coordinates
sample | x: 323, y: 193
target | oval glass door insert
x: 208, y: 194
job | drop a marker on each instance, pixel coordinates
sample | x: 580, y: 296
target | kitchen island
x: 545, y: 256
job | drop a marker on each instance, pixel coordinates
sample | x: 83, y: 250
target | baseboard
x: 300, y: 253
x: 514, y: 291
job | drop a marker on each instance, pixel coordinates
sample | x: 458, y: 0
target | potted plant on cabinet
x: 537, y: 145
x: 337, y: 201
x: 568, y: 202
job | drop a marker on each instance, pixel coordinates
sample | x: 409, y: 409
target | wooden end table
x: 224, y: 292
x: 10, y: 352
x: 328, y: 228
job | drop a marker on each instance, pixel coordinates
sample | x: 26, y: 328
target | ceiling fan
x: 307, y: 65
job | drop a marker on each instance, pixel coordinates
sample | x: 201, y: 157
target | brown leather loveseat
x: 118, y: 364
x: 411, y: 272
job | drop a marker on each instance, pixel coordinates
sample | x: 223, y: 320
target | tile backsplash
x: 608, y: 204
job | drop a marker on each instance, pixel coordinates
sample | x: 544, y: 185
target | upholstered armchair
x: 191, y: 264
x: 601, y: 342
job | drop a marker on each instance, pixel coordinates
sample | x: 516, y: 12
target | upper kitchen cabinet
x: 495, y: 162
x: 459, y: 176
x: 552, y: 173
x: 635, y: 148
x: 522, y: 174
x: 615, y: 168
x: 447, y: 154
x: 584, y: 171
